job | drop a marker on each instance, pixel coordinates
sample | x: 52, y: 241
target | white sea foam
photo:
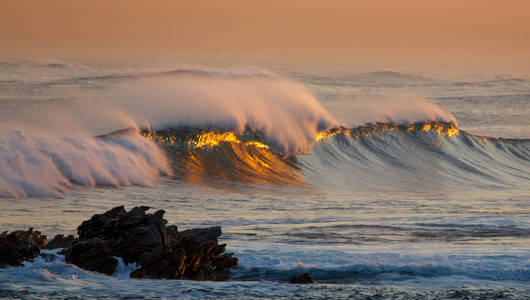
x: 124, y: 270
x: 341, y: 266
x: 46, y: 166
x: 326, y: 265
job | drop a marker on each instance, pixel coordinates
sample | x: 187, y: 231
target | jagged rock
x: 223, y: 264
x: 142, y: 233
x: 101, y: 225
x: 202, y: 235
x: 172, y: 235
x: 134, y: 217
x: 60, y: 241
x: 94, y: 254
x: 161, y: 262
x: 301, y: 279
x: 161, y: 251
x: 19, y: 246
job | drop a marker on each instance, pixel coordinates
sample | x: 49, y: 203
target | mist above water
x: 284, y: 111
x: 400, y: 109
x: 47, y: 166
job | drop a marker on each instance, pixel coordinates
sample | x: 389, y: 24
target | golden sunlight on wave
x: 202, y: 140
x: 440, y: 128
x: 153, y: 136
x: 216, y: 158
x: 211, y: 139
x: 238, y: 162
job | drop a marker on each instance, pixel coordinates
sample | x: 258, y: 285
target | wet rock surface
x: 19, y: 246
x: 301, y: 279
x: 160, y: 251
x: 61, y: 241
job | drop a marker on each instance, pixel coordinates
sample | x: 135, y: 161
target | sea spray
x: 46, y: 166
x: 284, y: 111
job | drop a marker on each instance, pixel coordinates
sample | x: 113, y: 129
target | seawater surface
x: 379, y: 184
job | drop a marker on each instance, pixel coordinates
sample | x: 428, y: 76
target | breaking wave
x: 422, y: 156
x: 419, y: 156
x: 246, y: 126
x: 47, y: 166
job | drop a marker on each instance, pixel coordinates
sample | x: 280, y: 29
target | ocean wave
x: 252, y: 126
x: 373, y: 272
x: 46, y: 64
x: 370, y: 79
x: 423, y: 155
x: 414, y: 157
x: 499, y: 81
x: 336, y: 266
x: 47, y: 166
x: 195, y: 72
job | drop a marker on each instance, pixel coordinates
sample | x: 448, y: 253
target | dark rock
x: 225, y: 261
x: 160, y: 251
x: 134, y: 217
x: 162, y: 262
x: 102, y: 225
x: 147, y: 233
x: 203, y: 235
x: 19, y: 246
x: 301, y: 279
x: 172, y: 235
x: 93, y: 255
x: 205, y: 272
x: 223, y: 264
x: 156, y: 221
x: 60, y: 241
x: 222, y: 275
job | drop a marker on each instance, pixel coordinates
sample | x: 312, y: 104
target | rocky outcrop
x: 301, y: 279
x: 60, y: 241
x: 95, y: 254
x: 160, y: 251
x: 19, y: 246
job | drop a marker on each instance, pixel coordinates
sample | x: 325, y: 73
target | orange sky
x: 390, y: 33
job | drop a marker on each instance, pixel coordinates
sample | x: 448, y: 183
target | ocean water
x: 379, y: 184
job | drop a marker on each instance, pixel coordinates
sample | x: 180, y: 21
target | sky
x: 458, y: 34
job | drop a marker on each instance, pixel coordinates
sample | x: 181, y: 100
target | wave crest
x: 421, y: 155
